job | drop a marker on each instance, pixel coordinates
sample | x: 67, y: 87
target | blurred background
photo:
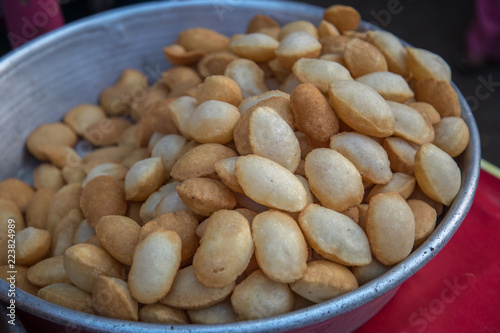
x: 439, y: 26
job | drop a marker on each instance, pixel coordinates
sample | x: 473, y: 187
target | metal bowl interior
x: 45, y: 78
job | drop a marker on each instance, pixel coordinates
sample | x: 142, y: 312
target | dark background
x: 438, y: 26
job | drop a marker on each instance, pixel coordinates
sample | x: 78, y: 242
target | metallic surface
x: 44, y: 79
x: 5, y: 326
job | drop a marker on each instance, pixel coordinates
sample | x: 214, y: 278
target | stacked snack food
x: 264, y: 173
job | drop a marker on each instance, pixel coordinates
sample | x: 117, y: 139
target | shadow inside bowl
x: 44, y: 79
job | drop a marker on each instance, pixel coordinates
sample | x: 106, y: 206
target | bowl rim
x: 300, y: 318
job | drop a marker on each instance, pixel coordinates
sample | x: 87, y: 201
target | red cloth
x: 29, y: 19
x: 459, y: 290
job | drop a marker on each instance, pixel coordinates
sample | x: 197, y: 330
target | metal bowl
x: 44, y: 79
